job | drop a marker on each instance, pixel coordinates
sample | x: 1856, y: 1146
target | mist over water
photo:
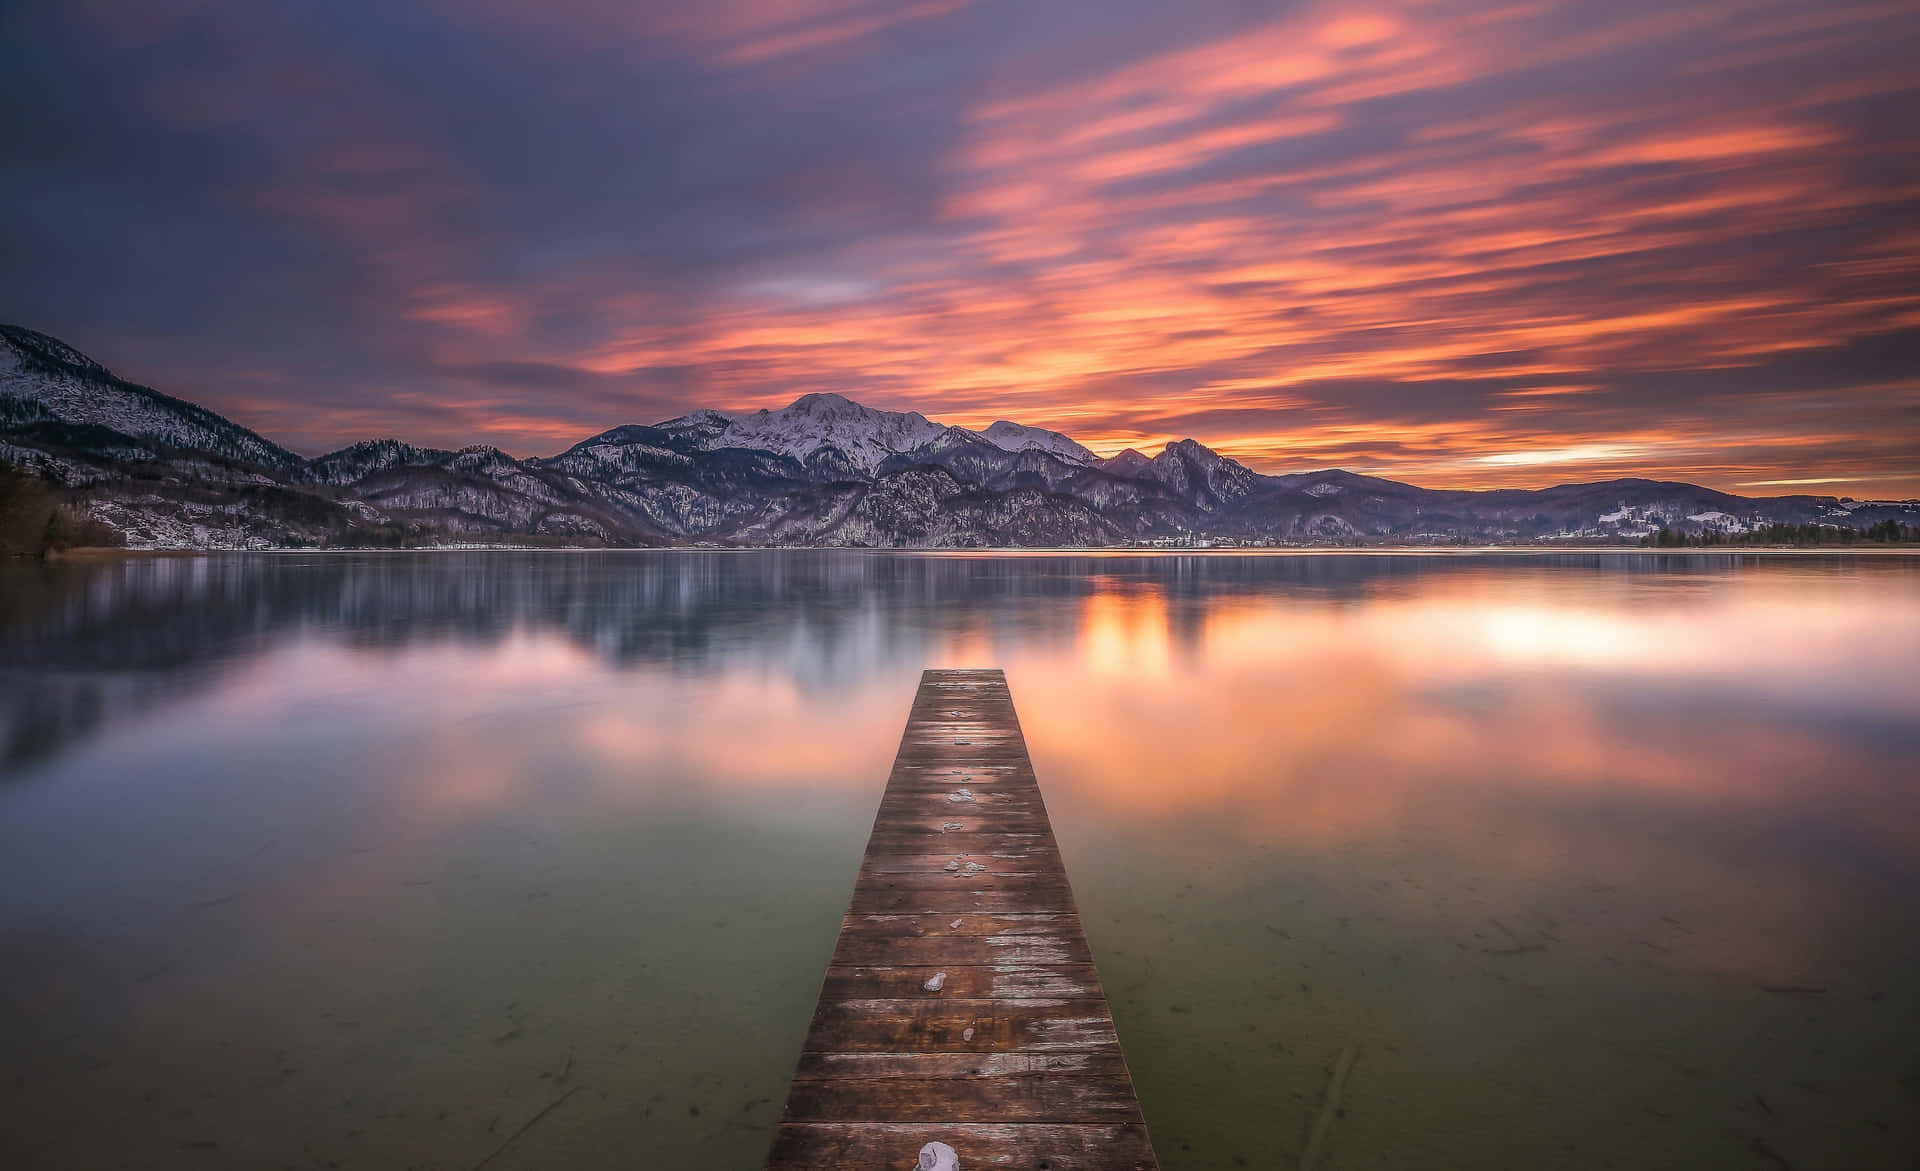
x: 373, y: 860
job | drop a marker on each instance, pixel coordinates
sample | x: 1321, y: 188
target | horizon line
x: 1487, y: 459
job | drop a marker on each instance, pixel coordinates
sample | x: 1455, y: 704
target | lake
x: 366, y: 860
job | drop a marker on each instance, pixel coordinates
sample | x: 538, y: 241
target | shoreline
x: 102, y: 553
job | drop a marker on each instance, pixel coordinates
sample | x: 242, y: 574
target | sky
x: 1460, y: 244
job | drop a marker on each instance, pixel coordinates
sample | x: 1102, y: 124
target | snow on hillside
x: 1719, y: 522
x: 1019, y: 437
x: 356, y: 462
x: 77, y: 390
x: 865, y: 435
x: 821, y: 470
x: 1129, y: 463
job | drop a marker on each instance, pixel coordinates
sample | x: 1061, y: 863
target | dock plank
x: 866, y: 1146
x: 1011, y: 1058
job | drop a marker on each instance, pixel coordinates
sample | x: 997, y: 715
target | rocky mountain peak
x: 79, y: 391
x: 1012, y: 436
x: 865, y: 435
x: 1202, y: 475
x: 1129, y: 463
x: 36, y: 347
x: 823, y: 470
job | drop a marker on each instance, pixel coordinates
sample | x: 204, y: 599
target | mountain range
x: 161, y: 472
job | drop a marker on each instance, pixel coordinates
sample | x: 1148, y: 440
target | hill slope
x: 163, y: 472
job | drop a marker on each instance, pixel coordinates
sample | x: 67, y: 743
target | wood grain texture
x: 1012, y: 1059
x: 867, y: 1146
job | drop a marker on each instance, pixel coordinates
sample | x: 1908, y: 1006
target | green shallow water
x: 369, y: 861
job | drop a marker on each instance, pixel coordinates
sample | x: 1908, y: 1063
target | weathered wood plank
x: 964, y: 982
x: 956, y: 901
x: 959, y: 951
x: 910, y: 855
x: 938, y: 824
x: 1007, y: 1098
x: 1057, y: 924
x: 878, y: 1146
x: 961, y: 1026
x: 946, y: 871
x: 961, y: 1004
x: 1095, y: 1063
x: 1006, y: 804
x: 959, y: 832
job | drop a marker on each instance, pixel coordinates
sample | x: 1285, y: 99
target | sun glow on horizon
x: 1437, y: 241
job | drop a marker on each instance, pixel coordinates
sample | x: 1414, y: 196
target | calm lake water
x: 364, y: 861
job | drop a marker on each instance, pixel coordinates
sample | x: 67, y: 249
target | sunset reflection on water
x: 1595, y: 860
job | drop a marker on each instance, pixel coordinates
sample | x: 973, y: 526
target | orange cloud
x: 1238, y: 238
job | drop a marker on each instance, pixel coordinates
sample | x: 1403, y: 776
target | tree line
x: 36, y: 518
x: 1886, y: 532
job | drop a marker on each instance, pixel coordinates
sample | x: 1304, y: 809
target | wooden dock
x: 961, y: 1005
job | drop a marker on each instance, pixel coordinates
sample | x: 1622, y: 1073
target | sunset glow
x: 1457, y: 244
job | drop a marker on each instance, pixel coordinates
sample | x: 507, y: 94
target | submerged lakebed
x: 435, y: 860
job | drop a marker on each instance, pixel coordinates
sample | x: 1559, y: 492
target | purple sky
x: 1455, y: 243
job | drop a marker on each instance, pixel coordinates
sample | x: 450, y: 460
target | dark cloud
x: 1420, y: 238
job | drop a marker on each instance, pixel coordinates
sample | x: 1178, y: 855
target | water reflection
x: 98, y: 638
x: 1593, y: 859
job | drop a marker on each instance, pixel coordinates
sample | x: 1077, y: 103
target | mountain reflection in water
x: 1594, y: 859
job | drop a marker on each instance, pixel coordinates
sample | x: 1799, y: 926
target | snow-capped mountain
x: 863, y: 435
x: 860, y: 438
x: 824, y: 470
x: 80, y: 392
x: 1019, y: 437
